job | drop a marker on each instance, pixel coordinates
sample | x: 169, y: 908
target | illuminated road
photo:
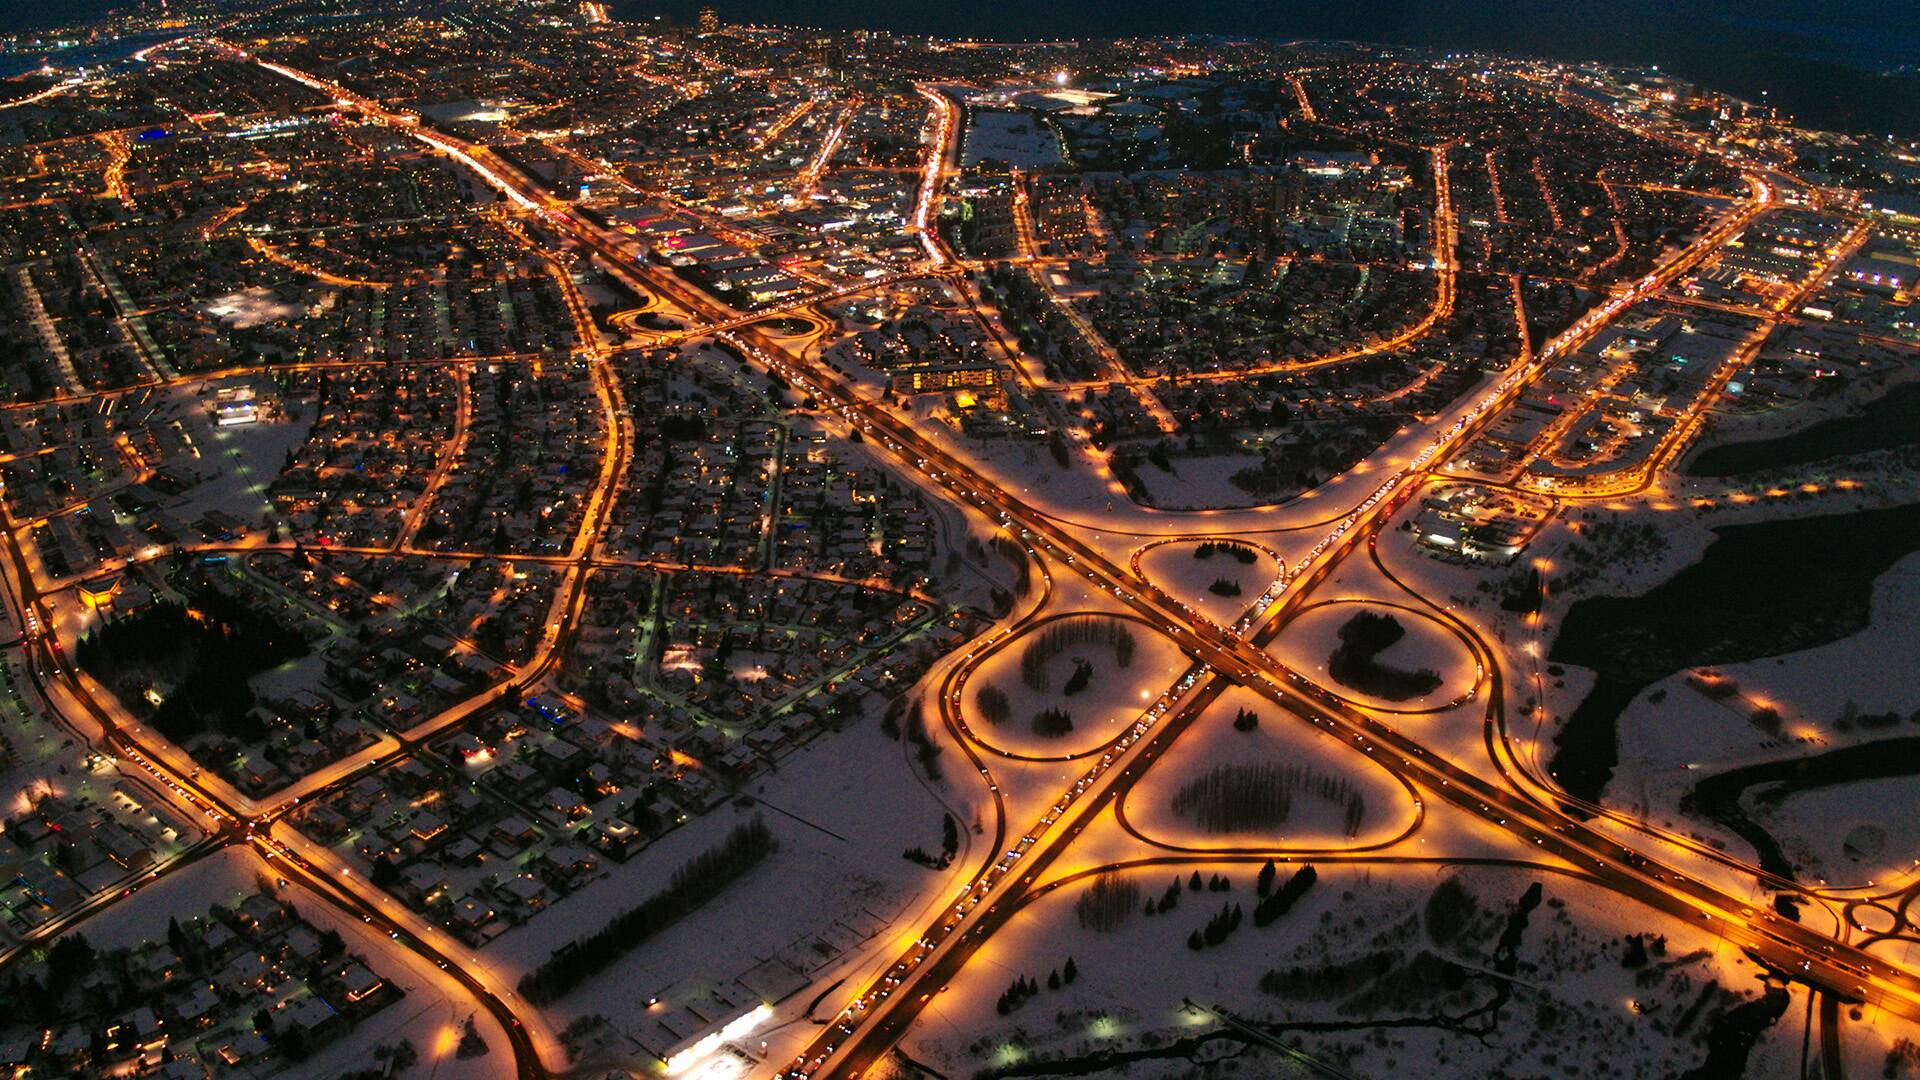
x: 1225, y: 656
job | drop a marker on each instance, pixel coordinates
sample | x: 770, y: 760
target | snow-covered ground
x: 1844, y: 833
x: 843, y: 813
x: 1279, y: 740
x: 1427, y: 644
x: 253, y: 307
x: 1672, y: 735
x: 1112, y: 700
x: 1199, y: 483
x: 1187, y: 579
x: 1572, y: 1004
x: 1019, y: 139
x: 237, y: 462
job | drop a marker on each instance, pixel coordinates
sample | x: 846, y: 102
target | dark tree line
x: 1281, y: 900
x: 692, y: 886
x: 1239, y: 797
x: 1105, y: 904
x: 1060, y: 636
x: 1241, y: 553
x: 1223, y: 923
x: 992, y: 702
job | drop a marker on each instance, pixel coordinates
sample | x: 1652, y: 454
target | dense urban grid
x: 542, y: 541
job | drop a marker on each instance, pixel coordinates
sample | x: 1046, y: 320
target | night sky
x: 1825, y: 63
x: 1828, y: 64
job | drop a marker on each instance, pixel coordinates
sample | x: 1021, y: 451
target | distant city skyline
x: 1851, y: 67
x: 1829, y: 65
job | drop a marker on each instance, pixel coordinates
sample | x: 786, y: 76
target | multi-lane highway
x: 884, y: 1007
x: 1223, y: 655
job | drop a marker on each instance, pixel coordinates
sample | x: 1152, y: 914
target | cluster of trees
x: 949, y: 846
x: 1017, y: 557
x: 1639, y: 946
x: 1331, y: 980
x: 1289, y: 468
x: 1903, y: 1055
x: 68, y: 960
x: 1223, y: 923
x: 1525, y: 593
x: 1052, y: 723
x: 914, y: 730
x: 1064, y: 634
x: 1450, y: 910
x: 1281, y: 900
x: 1076, y: 682
x: 1224, y: 587
x: 1106, y: 903
x: 682, y: 427
x: 1273, y: 902
x: 1237, y: 797
x: 1241, y: 553
x: 690, y: 887
x: 1851, y: 717
x: 205, y: 650
x: 471, y: 1044
x: 1170, y: 899
x: 1263, y: 881
x: 992, y: 703
x: 1608, y: 544
x: 1355, y: 661
x: 1214, y: 883
x: 1024, y: 987
x: 1246, y: 720
x: 925, y: 750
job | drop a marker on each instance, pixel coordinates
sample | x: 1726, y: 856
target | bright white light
x: 734, y: 1029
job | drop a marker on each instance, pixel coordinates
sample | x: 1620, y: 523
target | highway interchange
x: 1512, y: 799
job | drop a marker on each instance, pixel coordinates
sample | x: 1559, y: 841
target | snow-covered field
x: 1199, y: 483
x: 1427, y: 644
x: 842, y: 812
x: 238, y: 462
x: 1017, y: 138
x: 1280, y: 740
x: 1844, y: 833
x: 1187, y: 579
x: 1112, y: 700
x: 1572, y: 1005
